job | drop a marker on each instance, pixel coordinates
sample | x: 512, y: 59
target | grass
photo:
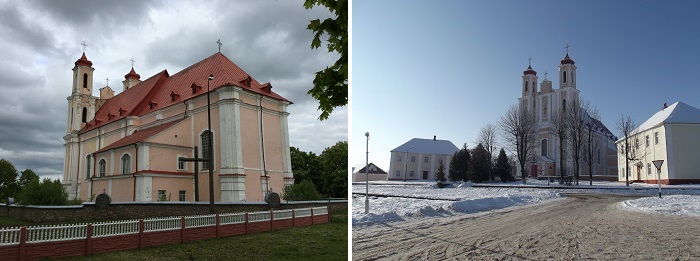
x: 327, y: 241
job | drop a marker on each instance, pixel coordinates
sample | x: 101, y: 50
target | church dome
x: 529, y: 71
x: 132, y: 74
x: 83, y: 61
x: 567, y: 60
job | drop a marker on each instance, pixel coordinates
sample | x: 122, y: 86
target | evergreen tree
x: 502, y: 168
x: 440, y: 175
x: 479, y: 165
x: 8, y: 180
x: 47, y: 193
x: 459, y: 165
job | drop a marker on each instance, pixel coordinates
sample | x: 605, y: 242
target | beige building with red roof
x: 130, y: 145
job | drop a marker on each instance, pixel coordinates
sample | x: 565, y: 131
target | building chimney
x: 665, y: 105
x: 434, y: 137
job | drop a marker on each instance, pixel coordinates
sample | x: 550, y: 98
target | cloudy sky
x: 41, y: 41
x: 447, y: 68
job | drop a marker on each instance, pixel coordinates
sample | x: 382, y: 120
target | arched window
x: 563, y: 75
x: 563, y: 105
x: 84, y: 114
x: 206, y: 149
x: 85, y: 80
x: 103, y: 167
x: 126, y: 164
x: 88, y: 166
x: 544, y: 148
x: 526, y: 83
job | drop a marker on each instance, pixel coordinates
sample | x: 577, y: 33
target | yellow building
x: 130, y: 145
x: 419, y: 159
x: 670, y: 135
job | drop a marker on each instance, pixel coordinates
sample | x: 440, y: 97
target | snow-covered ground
x: 398, y: 200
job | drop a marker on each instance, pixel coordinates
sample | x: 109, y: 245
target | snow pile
x: 688, y: 205
x: 398, y: 203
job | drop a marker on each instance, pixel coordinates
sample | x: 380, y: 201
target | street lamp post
x: 657, y: 164
x: 212, y: 210
x: 405, y: 166
x: 367, y: 175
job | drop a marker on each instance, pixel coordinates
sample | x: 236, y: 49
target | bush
x: 46, y: 193
x: 305, y: 190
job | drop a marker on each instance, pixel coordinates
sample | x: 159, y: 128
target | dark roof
x: 427, y: 146
x: 567, y: 60
x: 529, y: 71
x: 373, y: 169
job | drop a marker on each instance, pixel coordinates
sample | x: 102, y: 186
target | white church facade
x: 547, y: 102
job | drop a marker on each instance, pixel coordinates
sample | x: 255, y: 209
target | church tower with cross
x: 548, y: 105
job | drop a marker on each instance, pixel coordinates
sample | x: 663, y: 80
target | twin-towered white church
x: 546, y: 102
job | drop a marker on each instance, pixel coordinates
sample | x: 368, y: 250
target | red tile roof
x: 139, y: 136
x: 132, y: 74
x: 83, y: 61
x: 156, y: 92
x: 529, y: 71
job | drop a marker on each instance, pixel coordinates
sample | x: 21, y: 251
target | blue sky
x: 447, y: 68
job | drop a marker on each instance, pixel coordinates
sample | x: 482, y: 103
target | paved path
x: 589, y: 227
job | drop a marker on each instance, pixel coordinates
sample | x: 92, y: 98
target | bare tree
x: 487, y: 138
x: 592, y: 140
x: 575, y: 117
x: 560, y: 130
x: 518, y: 126
x: 626, y: 126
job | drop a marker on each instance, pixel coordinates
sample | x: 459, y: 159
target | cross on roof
x: 567, y: 48
x: 132, y: 62
x: 219, y: 43
x: 545, y: 75
x: 107, y: 79
x: 529, y: 61
x: 84, y: 45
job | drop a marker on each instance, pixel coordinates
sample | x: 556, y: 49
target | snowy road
x: 578, y: 227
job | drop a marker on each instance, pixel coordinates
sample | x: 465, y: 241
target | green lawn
x: 318, y: 242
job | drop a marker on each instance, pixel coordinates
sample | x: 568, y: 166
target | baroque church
x: 131, y: 146
x: 546, y: 101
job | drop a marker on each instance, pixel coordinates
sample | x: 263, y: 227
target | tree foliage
x: 518, y: 126
x: 331, y: 84
x: 488, y: 136
x: 459, y: 165
x: 479, y: 165
x: 8, y: 180
x: 27, y: 177
x: 440, y: 175
x: 299, y: 192
x: 502, y: 168
x: 47, y: 193
x: 328, y: 171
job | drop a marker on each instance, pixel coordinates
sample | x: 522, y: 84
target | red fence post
x: 182, y: 229
x: 218, y: 235
x: 312, y: 215
x: 246, y: 222
x: 294, y: 218
x: 23, y: 243
x: 141, y: 237
x: 88, y: 240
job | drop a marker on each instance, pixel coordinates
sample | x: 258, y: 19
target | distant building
x: 547, y: 103
x: 419, y: 159
x: 670, y: 135
x: 375, y: 173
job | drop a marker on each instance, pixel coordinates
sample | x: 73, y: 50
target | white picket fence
x: 115, y: 228
x: 38, y: 234
x: 9, y: 236
x: 52, y: 233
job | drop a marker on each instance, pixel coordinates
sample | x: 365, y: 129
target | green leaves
x: 331, y: 84
x: 328, y: 171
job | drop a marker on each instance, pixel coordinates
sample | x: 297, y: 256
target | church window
x: 103, y: 167
x: 563, y: 106
x: 398, y: 157
x: 564, y: 76
x: 648, y: 169
x: 84, y: 114
x: 544, y: 148
x: 647, y: 140
x: 180, y: 163
x: 182, y: 195
x: 87, y: 167
x: 425, y: 159
x: 85, y: 78
x: 413, y: 158
x: 126, y: 164
x: 526, y: 85
x: 206, y: 137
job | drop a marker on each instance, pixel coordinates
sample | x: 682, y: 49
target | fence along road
x: 36, y: 242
